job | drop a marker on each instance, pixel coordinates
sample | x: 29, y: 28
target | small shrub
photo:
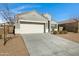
x: 55, y: 32
x: 0, y: 36
x: 63, y: 32
x: 75, y: 31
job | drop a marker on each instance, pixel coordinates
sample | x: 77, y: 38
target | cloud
x: 22, y: 8
x: 18, y: 9
x: 15, y: 11
x: 28, y: 6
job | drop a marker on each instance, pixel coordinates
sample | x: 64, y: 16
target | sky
x: 58, y: 11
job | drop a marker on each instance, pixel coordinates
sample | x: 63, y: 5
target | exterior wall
x: 17, y: 27
x: 33, y: 17
x: 46, y: 27
x: 48, y: 17
x: 49, y: 26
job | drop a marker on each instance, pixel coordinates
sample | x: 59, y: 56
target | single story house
x: 32, y: 22
x: 71, y: 25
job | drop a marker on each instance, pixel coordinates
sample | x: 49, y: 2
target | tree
x: 77, y: 21
x: 8, y: 16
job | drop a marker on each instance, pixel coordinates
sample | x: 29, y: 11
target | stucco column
x: 44, y: 28
x: 49, y: 26
x: 48, y: 17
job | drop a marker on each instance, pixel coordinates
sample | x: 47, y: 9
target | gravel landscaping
x: 70, y: 36
x: 13, y: 47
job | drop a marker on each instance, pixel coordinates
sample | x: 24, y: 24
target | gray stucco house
x: 32, y: 22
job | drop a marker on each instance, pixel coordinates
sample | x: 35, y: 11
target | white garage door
x: 31, y: 28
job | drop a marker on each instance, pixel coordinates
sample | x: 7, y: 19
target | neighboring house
x: 71, y: 25
x: 32, y: 22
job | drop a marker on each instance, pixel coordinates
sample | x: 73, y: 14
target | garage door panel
x: 31, y: 28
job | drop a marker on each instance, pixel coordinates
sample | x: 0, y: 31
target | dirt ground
x: 13, y: 47
x: 71, y: 36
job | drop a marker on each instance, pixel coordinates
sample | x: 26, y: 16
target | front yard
x: 13, y: 47
x: 70, y: 36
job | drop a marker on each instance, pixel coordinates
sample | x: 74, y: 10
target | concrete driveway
x: 50, y: 45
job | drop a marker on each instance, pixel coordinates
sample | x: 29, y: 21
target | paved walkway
x: 50, y: 45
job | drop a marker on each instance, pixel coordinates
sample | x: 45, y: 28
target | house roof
x: 68, y: 21
x: 32, y: 16
x: 47, y: 16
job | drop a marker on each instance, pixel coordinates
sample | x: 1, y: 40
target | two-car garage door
x: 27, y: 28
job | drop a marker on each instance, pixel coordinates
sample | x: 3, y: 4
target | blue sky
x: 58, y: 11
